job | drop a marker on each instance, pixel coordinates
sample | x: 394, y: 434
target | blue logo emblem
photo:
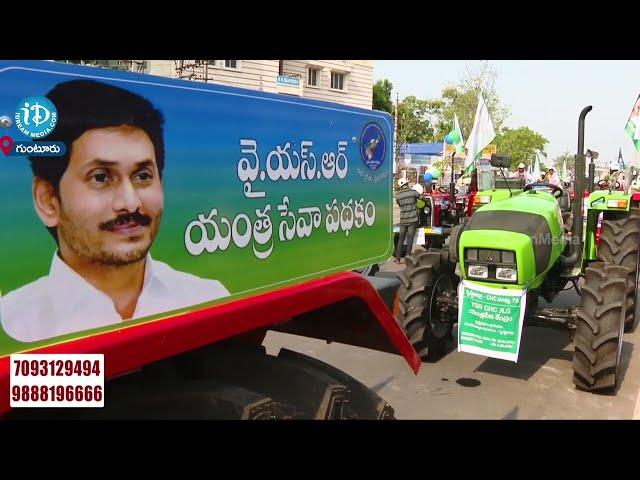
x: 373, y: 146
x: 36, y: 117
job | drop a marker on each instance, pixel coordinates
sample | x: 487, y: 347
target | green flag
x: 633, y: 124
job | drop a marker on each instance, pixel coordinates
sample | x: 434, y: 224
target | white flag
x: 481, y: 135
x: 535, y: 173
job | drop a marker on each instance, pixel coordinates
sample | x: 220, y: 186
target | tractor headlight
x: 478, y: 271
x: 492, y: 265
x: 506, y: 274
x: 483, y: 199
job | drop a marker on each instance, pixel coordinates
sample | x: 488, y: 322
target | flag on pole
x: 454, y: 138
x: 481, y: 135
x: 456, y: 128
x: 535, y: 173
x: 633, y: 125
x: 620, y: 160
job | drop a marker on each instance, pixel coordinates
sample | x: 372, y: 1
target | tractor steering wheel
x: 556, y: 191
x: 604, y: 185
x: 446, y: 190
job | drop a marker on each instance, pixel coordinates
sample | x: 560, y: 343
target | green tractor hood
x: 529, y: 225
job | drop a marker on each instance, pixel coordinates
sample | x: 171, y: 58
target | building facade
x: 349, y: 82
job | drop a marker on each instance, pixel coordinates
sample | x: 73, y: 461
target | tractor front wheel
x: 619, y: 245
x: 426, y: 280
x: 600, y: 327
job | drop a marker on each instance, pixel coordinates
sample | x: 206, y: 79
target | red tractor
x: 258, y: 188
x: 438, y: 216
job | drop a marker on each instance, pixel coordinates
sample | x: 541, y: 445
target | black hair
x: 86, y: 104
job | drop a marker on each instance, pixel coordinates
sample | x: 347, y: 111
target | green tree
x: 413, y: 124
x: 569, y: 158
x: 416, y: 120
x: 382, y: 96
x: 522, y: 144
x: 462, y: 100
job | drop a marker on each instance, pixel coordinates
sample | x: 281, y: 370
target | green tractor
x: 494, y: 186
x: 512, y: 252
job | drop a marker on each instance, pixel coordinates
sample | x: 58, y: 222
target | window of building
x: 231, y: 63
x: 126, y: 65
x: 313, y: 77
x: 337, y: 80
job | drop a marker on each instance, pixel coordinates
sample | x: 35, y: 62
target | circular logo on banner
x: 372, y: 146
x: 36, y: 117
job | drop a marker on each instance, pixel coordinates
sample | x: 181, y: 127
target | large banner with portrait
x: 126, y: 197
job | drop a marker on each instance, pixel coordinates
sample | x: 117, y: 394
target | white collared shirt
x: 64, y: 302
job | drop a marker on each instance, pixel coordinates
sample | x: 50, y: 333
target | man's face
x: 111, y: 197
x: 520, y: 170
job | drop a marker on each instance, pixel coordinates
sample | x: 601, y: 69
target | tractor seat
x: 565, y: 202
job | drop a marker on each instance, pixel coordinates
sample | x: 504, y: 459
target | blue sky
x: 544, y: 95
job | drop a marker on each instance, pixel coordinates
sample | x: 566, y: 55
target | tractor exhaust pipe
x: 576, y: 210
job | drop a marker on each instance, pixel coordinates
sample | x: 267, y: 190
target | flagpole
x: 452, y: 183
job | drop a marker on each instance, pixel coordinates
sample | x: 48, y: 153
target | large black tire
x: 424, y: 279
x: 230, y: 381
x: 189, y: 400
x: 313, y: 394
x: 156, y: 393
x: 454, y: 242
x: 363, y: 404
x: 619, y: 245
x: 600, y: 327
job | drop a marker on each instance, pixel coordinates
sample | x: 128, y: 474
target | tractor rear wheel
x: 425, y: 280
x: 619, y: 245
x: 231, y: 381
x: 600, y: 327
x: 363, y: 404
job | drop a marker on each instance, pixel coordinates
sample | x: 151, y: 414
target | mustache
x: 124, y: 218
